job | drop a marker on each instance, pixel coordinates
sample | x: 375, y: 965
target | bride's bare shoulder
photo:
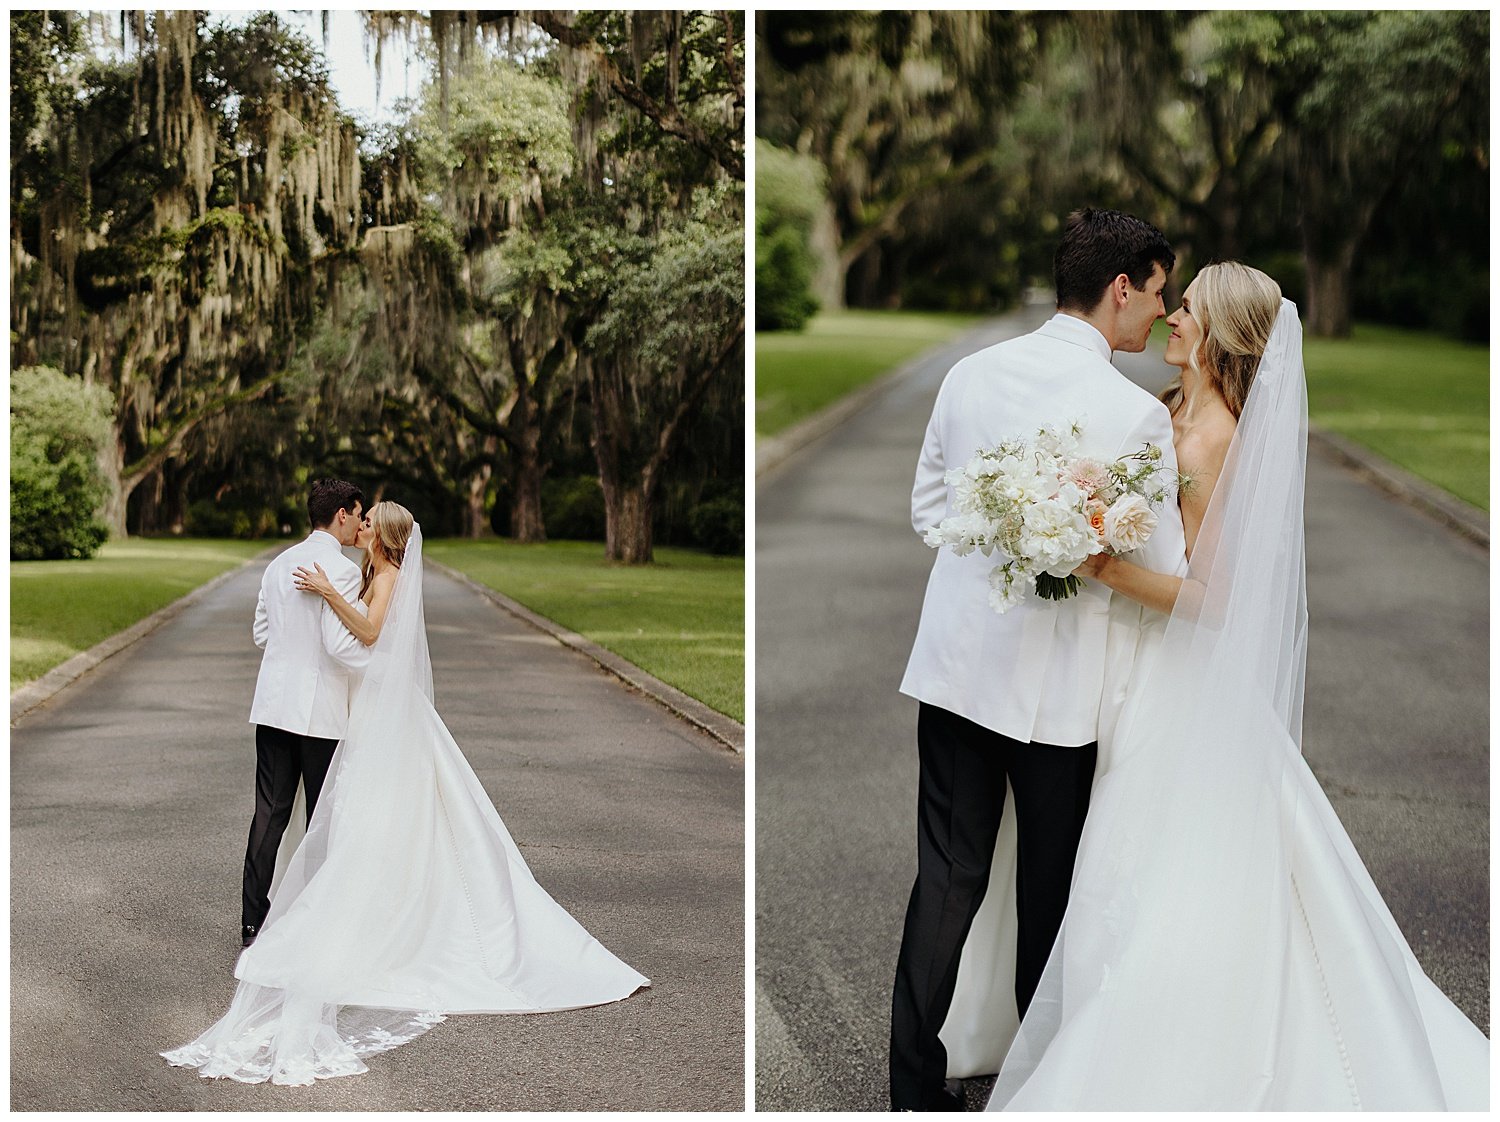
x: 380, y: 587
x: 1205, y: 445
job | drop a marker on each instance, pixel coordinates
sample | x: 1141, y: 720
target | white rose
x: 1056, y: 537
x: 1128, y: 523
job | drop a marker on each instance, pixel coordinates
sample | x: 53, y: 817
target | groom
x: 1016, y: 698
x: 301, y: 704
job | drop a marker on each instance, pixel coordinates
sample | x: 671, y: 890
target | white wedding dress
x: 1224, y: 947
x: 406, y: 900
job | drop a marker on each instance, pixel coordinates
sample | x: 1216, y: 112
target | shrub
x: 209, y: 519
x: 719, y: 526
x: 59, y: 429
x: 789, y: 192
x: 783, y: 278
x: 573, y: 508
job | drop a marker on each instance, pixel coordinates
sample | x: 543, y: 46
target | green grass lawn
x: 799, y: 372
x: 1420, y: 400
x: 681, y: 619
x: 59, y: 608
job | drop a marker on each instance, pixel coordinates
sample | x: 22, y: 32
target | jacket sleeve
x: 260, y: 631
x: 929, y: 494
x: 1166, y: 550
x: 338, y: 640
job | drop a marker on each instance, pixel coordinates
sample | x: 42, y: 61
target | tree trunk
x: 173, y: 513
x: 148, y: 504
x: 527, y: 468
x: 628, y: 514
x: 526, y: 524
x: 1329, y: 280
x: 828, y: 274
x: 628, y: 503
x: 1220, y: 218
x: 117, y: 501
x: 475, y: 523
x: 1336, y: 204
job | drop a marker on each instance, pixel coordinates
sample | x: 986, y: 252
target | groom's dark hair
x: 1099, y: 245
x: 328, y: 497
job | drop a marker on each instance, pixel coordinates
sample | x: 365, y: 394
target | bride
x: 1224, y: 947
x: 407, y: 899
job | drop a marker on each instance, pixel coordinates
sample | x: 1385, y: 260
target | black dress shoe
x: 951, y: 1097
x: 247, y: 934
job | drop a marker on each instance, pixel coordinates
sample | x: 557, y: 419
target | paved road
x: 1396, y: 729
x: 131, y: 793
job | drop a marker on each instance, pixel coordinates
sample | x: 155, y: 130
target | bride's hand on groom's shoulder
x: 314, y: 581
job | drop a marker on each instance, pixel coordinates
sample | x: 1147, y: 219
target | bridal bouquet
x: 1044, y: 508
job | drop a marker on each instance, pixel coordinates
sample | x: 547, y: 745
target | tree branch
x: 852, y: 250
x: 736, y: 78
x: 667, y: 117
x: 476, y: 419
x: 171, y: 444
x: 1146, y: 169
x: 687, y: 405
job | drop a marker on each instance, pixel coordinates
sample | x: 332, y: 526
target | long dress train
x: 406, y: 900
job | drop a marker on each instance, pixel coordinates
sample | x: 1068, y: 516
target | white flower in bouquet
x: 1059, y: 444
x: 1020, y: 480
x: 963, y: 533
x: 1128, y: 523
x: 1005, y: 590
x: 1056, y: 537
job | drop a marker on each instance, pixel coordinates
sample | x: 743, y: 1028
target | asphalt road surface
x: 131, y: 796
x: 1396, y: 729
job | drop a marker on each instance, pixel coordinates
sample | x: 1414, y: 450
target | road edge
x: 726, y: 730
x: 1456, y: 515
x: 34, y: 694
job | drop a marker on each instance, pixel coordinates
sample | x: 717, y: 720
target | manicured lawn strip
x: 798, y: 373
x: 1420, y: 400
x: 681, y: 619
x: 60, y: 608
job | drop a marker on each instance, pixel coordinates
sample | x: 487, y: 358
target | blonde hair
x: 1236, y: 307
x: 391, y: 525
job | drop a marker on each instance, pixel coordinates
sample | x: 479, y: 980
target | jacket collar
x: 1071, y: 329
x: 314, y: 537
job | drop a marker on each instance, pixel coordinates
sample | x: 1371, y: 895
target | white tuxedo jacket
x: 1042, y: 671
x: 305, y: 674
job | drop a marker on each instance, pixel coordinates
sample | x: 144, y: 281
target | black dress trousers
x: 281, y: 759
x: 961, y: 794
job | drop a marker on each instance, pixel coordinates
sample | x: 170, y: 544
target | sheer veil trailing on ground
x: 1224, y: 947
x: 406, y: 900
